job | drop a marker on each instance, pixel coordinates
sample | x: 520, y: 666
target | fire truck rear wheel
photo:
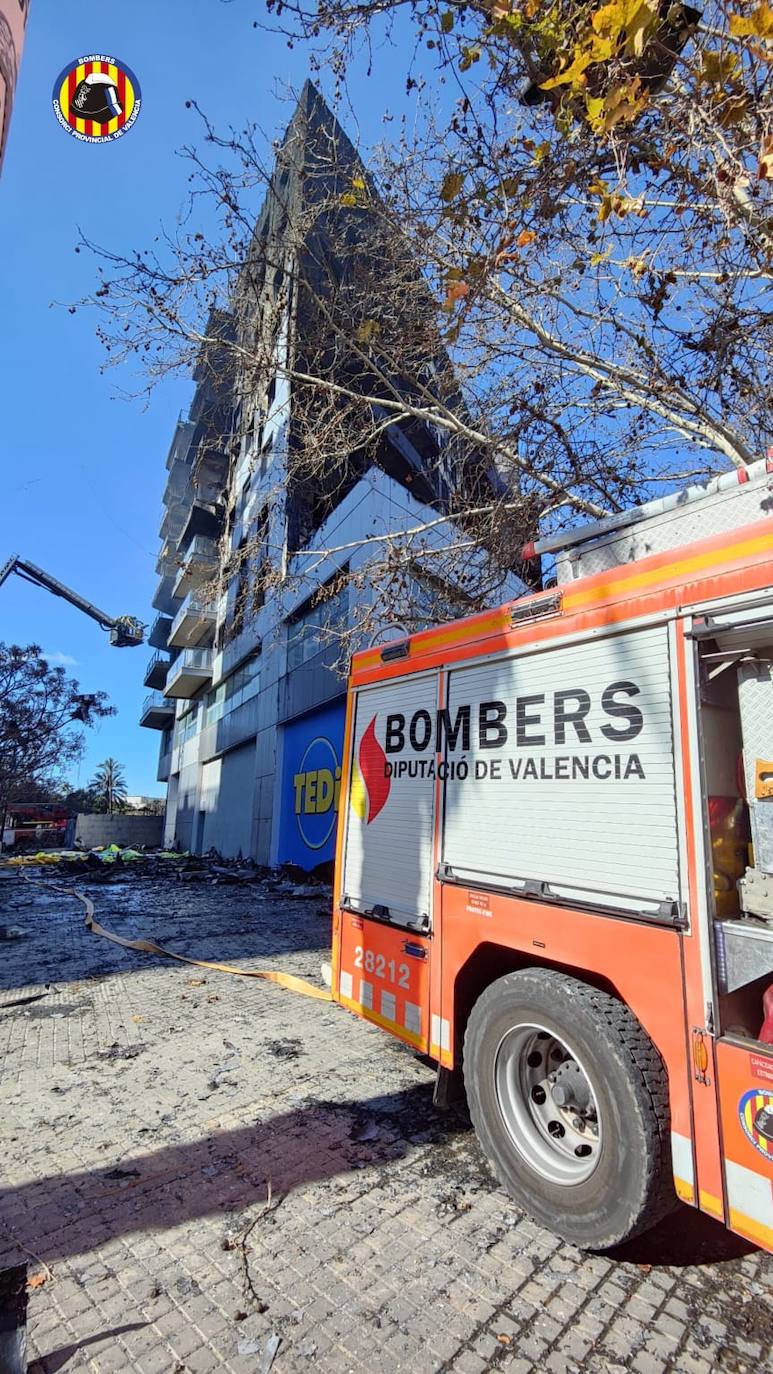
x: 569, y: 1099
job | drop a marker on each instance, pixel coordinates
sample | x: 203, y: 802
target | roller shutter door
x: 580, y: 795
x: 388, y: 863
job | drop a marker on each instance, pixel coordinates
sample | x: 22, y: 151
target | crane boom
x: 125, y: 630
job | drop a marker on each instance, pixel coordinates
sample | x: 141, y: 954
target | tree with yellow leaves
x: 602, y: 217
x: 586, y: 189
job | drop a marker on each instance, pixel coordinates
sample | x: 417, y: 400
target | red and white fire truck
x: 555, y: 866
x: 34, y: 823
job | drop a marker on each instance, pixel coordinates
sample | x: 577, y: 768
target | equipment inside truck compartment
x: 736, y: 711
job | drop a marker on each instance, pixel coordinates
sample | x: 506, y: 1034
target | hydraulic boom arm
x: 125, y: 630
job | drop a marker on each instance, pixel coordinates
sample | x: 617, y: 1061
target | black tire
x: 630, y: 1186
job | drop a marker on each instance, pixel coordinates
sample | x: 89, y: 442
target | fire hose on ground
x: 284, y: 980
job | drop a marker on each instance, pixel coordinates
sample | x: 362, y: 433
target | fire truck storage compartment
x: 736, y: 712
x: 569, y: 791
x: 755, y: 701
x: 388, y: 859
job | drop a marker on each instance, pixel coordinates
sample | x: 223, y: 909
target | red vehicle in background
x: 35, y: 824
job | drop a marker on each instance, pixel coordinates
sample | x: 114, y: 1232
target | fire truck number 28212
x: 555, y: 867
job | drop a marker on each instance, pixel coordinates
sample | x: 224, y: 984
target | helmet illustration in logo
x: 763, y: 1122
x: 755, y: 1111
x: 97, y: 98
x: 371, y: 784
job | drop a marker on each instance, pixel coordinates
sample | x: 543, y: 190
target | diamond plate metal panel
x: 755, y: 697
x: 717, y: 513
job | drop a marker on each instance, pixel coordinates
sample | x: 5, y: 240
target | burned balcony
x: 166, y: 562
x: 210, y: 472
x: 173, y: 524
x: 178, y: 485
x: 204, y: 519
x: 214, y: 367
x: 156, y: 671
x: 159, y: 632
x: 190, y: 671
x: 164, y: 599
x: 181, y: 442
x: 157, y: 712
x: 199, y: 562
x: 194, y: 623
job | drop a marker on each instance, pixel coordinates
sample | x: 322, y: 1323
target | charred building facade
x: 275, y: 507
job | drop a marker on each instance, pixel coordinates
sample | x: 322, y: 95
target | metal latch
x: 533, y: 888
x: 672, y: 911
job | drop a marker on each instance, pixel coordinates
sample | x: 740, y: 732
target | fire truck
x: 554, y: 867
x: 34, y: 823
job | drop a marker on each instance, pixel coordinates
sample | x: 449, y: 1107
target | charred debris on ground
x: 113, y: 864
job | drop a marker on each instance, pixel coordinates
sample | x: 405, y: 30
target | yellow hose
x: 284, y: 980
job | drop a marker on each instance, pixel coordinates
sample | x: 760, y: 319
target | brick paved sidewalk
x: 148, y: 1107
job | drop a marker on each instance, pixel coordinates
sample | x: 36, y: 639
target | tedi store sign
x: 311, y: 785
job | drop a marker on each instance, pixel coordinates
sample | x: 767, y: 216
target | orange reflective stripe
x: 431, y: 640
x: 711, y: 1204
x: 676, y: 571
x: 753, y: 1230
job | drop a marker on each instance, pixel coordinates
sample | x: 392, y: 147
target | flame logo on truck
x: 370, y: 783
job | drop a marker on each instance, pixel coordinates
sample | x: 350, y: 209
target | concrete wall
x: 126, y: 830
x: 226, y: 803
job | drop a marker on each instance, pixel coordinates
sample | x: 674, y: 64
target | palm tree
x: 109, y: 782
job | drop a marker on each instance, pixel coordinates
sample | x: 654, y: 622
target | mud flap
x: 449, y: 1088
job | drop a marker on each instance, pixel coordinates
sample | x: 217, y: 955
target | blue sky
x: 83, y: 469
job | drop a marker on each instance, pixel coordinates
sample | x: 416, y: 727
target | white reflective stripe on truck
x: 750, y: 1202
x: 683, y: 1167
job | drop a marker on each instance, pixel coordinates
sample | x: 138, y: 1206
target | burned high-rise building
x: 279, y: 496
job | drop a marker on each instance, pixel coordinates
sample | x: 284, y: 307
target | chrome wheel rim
x: 548, y: 1104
